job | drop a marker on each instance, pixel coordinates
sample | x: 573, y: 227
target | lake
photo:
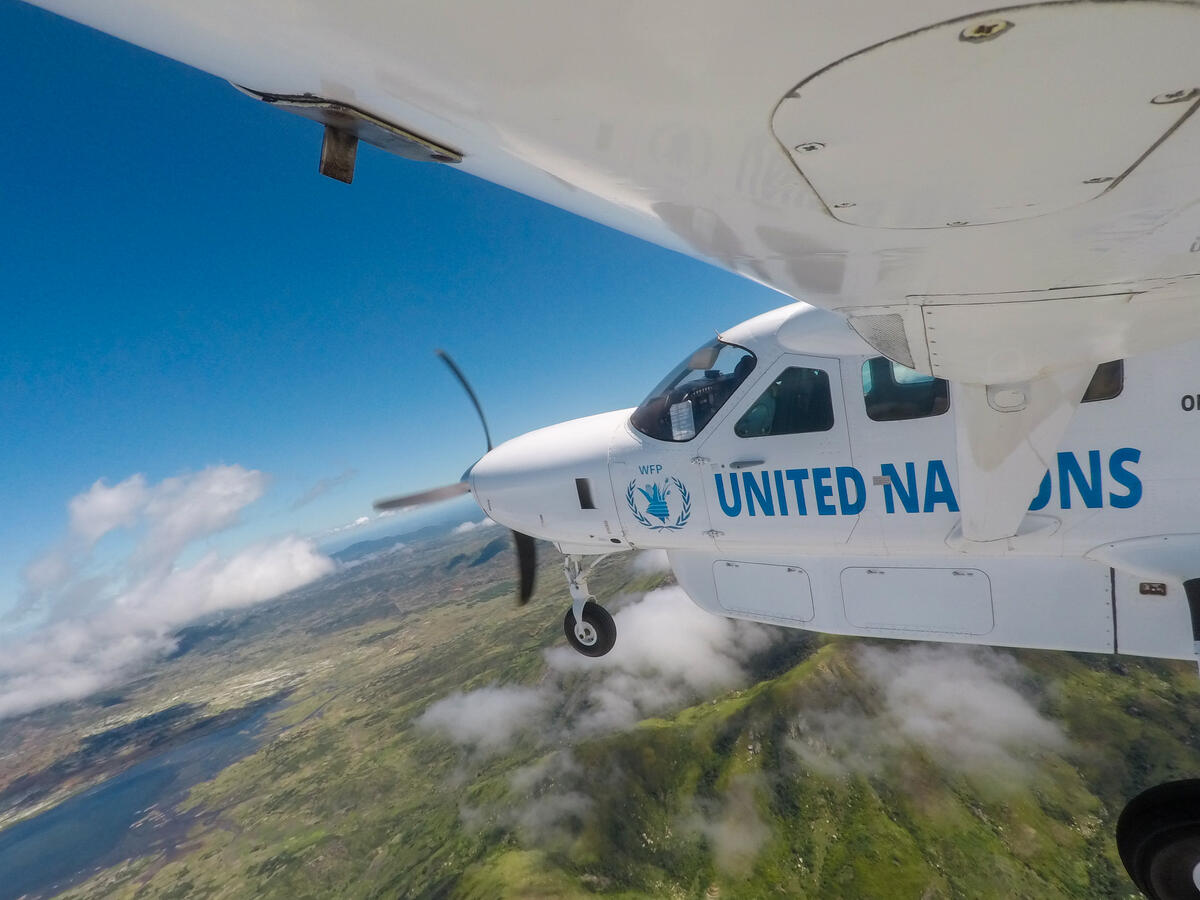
x: 94, y: 830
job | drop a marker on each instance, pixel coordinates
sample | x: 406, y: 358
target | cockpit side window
x: 893, y: 392
x: 798, y: 401
x: 687, y: 399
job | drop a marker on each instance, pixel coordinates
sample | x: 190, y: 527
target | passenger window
x: 1107, y: 382
x: 894, y: 392
x: 797, y: 402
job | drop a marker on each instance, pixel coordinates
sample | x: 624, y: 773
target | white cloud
x: 101, y: 509
x: 213, y: 583
x: 487, y: 720
x: 169, y: 516
x: 959, y: 706
x: 668, y: 653
x: 183, y: 509
x: 101, y: 627
x: 960, y: 703
x: 349, y: 526
x: 652, y: 562
x: 362, y: 521
x: 473, y: 526
x: 92, y: 514
x: 733, y: 827
x: 545, y: 802
x: 51, y: 570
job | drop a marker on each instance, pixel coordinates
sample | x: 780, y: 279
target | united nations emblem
x: 656, y: 501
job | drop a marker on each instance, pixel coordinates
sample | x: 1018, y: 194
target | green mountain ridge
x: 914, y: 828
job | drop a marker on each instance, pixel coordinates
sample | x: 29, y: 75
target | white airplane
x: 976, y: 427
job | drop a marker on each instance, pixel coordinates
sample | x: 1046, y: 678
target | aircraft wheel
x: 1158, y: 837
x: 597, y: 633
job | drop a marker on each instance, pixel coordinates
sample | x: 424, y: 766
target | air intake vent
x: 583, y: 487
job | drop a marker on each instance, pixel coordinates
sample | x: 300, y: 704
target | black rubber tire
x: 602, y: 625
x: 1158, y: 837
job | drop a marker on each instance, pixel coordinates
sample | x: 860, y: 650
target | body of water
x: 95, y: 829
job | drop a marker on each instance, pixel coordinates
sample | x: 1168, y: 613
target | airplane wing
x: 1003, y: 198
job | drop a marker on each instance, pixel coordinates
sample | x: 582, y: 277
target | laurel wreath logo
x: 685, y: 511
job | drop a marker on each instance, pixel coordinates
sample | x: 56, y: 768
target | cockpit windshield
x: 685, y: 401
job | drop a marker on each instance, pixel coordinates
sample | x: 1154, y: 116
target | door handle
x: 746, y: 463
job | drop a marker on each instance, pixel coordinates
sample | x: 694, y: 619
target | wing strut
x: 1007, y: 437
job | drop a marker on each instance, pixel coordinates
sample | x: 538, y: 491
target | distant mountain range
x: 379, y: 545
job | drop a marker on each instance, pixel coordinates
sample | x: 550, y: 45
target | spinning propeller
x: 526, y: 552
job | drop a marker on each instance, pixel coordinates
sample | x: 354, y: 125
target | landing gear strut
x: 588, y: 626
x: 1158, y: 837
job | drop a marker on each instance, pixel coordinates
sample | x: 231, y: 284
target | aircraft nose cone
x: 553, y: 483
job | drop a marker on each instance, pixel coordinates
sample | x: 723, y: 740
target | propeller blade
x: 419, y: 499
x: 526, y: 566
x: 462, y: 379
x: 463, y: 486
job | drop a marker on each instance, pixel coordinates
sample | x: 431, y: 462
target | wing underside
x: 1001, y: 197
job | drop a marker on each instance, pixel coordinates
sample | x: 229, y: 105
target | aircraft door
x: 904, y: 445
x: 778, y: 468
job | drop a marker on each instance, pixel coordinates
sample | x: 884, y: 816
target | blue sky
x: 183, y: 289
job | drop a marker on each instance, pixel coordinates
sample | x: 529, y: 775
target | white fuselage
x: 855, y: 529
